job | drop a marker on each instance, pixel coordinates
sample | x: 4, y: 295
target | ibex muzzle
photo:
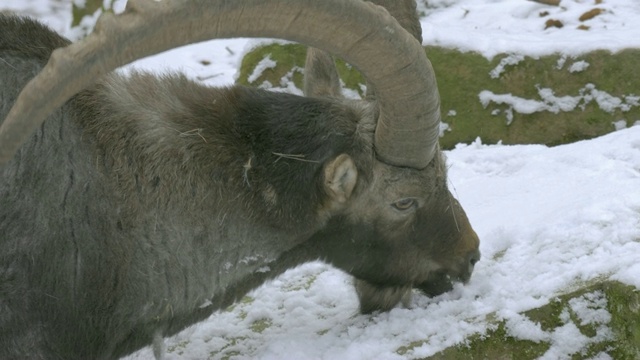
x: 132, y: 207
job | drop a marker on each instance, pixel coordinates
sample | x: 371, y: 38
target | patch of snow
x: 561, y: 61
x: 578, y: 66
x: 443, y: 128
x: 552, y: 103
x: 605, y: 101
x: 512, y: 59
x: 566, y: 340
x: 591, y: 308
x: 287, y: 84
x: 267, y: 85
x: 205, y: 304
x: 507, y: 26
x: 363, y: 88
x: 520, y: 105
x: 508, y: 112
x: 601, y: 356
x: 264, y: 64
x: 632, y: 100
x: 557, y: 104
x: 351, y: 94
x: 264, y: 269
x: 520, y: 327
x: 620, y: 124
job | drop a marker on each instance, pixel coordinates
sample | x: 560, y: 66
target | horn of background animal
x: 363, y: 35
x: 404, y: 11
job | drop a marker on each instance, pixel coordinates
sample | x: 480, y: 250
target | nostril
x: 474, y: 257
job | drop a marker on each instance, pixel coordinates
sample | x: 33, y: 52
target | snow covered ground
x: 491, y: 27
x: 550, y: 219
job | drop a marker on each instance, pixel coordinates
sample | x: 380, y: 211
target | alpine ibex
x: 134, y: 206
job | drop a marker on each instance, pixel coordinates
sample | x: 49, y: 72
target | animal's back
x: 25, y: 47
x: 35, y: 186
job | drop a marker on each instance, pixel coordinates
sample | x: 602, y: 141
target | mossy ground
x: 88, y: 9
x: 462, y: 76
x: 622, y: 302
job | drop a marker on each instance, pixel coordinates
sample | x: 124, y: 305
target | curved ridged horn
x: 387, y: 56
x: 404, y: 11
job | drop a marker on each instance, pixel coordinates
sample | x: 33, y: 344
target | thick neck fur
x: 168, y: 139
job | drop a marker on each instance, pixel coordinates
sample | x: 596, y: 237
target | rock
x: 553, y: 23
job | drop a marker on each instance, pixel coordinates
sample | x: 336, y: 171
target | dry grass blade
x: 297, y: 157
x: 548, y: 2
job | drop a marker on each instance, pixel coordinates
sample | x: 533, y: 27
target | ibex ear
x: 340, y: 176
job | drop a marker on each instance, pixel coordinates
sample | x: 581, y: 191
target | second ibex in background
x: 134, y: 206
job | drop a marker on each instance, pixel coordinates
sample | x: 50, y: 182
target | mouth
x: 439, y: 283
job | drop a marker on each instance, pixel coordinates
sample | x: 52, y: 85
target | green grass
x: 462, y: 76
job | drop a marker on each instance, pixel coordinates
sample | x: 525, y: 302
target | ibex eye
x: 404, y: 204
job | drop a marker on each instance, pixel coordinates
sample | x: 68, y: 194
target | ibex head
x: 409, y: 230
